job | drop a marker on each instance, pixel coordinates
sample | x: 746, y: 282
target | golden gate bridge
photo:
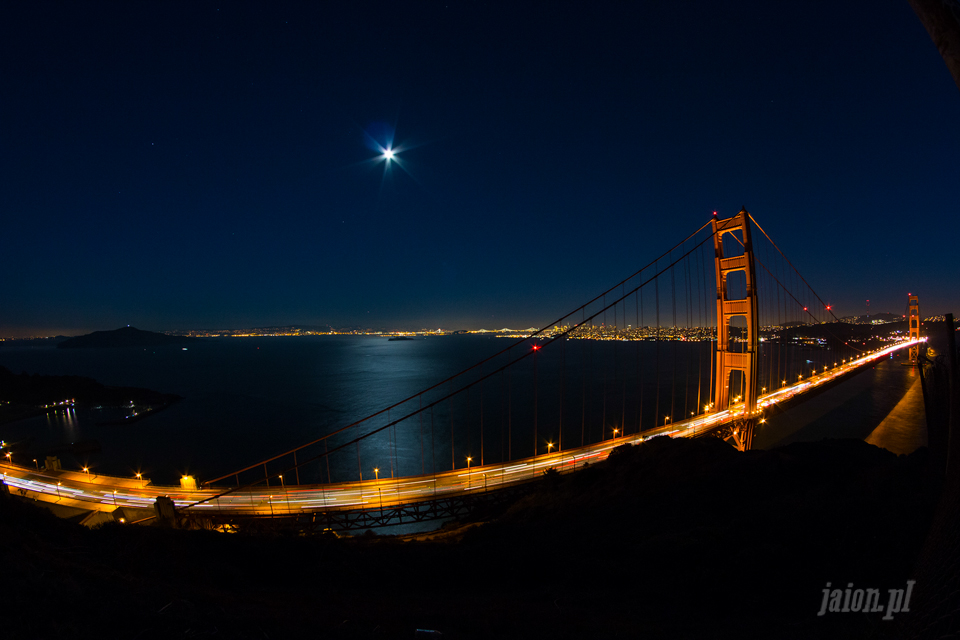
x: 703, y: 341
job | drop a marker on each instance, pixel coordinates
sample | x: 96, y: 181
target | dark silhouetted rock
x: 124, y: 337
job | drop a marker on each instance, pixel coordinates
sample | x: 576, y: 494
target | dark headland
x: 125, y: 337
x: 668, y: 539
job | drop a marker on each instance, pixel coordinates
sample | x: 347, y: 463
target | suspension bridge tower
x: 914, y: 306
x: 742, y: 354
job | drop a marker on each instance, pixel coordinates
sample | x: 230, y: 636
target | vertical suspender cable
x: 533, y: 467
x: 453, y: 463
x: 700, y: 325
x: 359, y: 468
x: 563, y: 383
x: 503, y: 396
x: 673, y: 383
x: 481, y: 417
x: 393, y: 445
x: 656, y: 412
x: 326, y: 454
x: 509, y: 416
x: 603, y: 417
x: 583, y: 371
x: 623, y: 393
x: 637, y: 333
x: 689, y: 321
x: 423, y: 463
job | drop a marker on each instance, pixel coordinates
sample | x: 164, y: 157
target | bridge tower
x: 914, y: 324
x: 745, y: 359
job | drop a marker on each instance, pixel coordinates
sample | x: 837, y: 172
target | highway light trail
x: 104, y: 493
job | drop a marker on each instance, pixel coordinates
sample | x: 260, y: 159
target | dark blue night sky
x: 212, y: 165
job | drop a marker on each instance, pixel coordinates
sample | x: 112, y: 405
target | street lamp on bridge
x: 376, y: 473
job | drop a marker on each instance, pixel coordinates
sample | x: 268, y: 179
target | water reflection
x: 62, y: 419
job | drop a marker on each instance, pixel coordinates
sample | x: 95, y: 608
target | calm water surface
x: 243, y: 398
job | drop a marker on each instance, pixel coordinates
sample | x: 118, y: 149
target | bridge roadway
x: 105, y: 493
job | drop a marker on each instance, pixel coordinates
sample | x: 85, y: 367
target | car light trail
x: 80, y: 490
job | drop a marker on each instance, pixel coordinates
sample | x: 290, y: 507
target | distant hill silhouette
x: 33, y: 342
x: 124, y: 337
x: 38, y: 389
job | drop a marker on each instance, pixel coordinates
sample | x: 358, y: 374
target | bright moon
x: 388, y: 154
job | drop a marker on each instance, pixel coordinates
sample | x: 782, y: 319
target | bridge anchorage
x: 740, y: 355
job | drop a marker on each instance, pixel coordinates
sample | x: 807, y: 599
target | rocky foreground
x: 672, y: 538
